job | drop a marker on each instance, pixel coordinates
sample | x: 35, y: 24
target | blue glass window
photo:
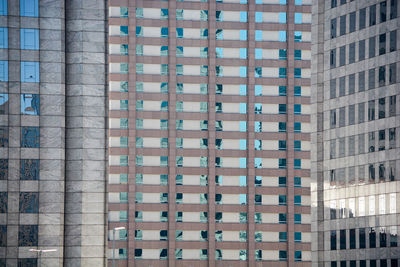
x: 219, y: 34
x: 282, y: 181
x: 259, y: 17
x: 258, y: 53
x: 164, y: 32
x: 179, y: 32
x: 297, y: 145
x: 219, y: 15
x: 282, y: 36
x: 297, y: 127
x: 3, y: 169
x: 243, y: 144
x: 297, y: 54
x: 297, y: 36
x: 297, y: 218
x: 242, y: 180
x: 282, y: 236
x: 282, y: 218
x: 3, y: 103
x: 259, y: 2
x: 139, y: 31
x: 282, y: 2
x: 123, y: 30
x: 243, y: 71
x: 298, y: 18
x: 258, y: 35
x: 3, y: 7
x: 282, y: 163
x: 243, y: 53
x: 297, y: 255
x: 297, y: 109
x: 297, y: 202
x: 243, y: 35
x: 243, y: 89
x: 258, y: 90
x: 3, y: 202
x: 219, y: 52
x: 203, y: 33
x: 29, y: 202
x: 29, y: 169
x: 3, y: 137
x: 243, y: 1
x: 30, y: 104
x: 30, y: 137
x: 28, y: 236
x: 282, y: 127
x: 297, y: 73
x: 298, y: 2
x: 282, y: 17
x: 30, y: 72
x: 3, y: 37
x: 297, y: 163
x: 243, y: 126
x: 283, y: 54
x: 297, y: 91
x: 282, y: 73
x: 3, y: 71
x: 258, y: 72
x: 243, y: 108
x: 29, y: 8
x: 29, y: 39
x: 3, y: 237
x: 243, y: 16
x: 297, y: 181
x: 282, y: 90
x: 242, y: 163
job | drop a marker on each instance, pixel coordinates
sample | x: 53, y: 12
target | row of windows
x: 220, y: 34
x: 27, y: 236
x: 202, y: 125
x: 347, y: 238
x: 339, y: 87
x: 220, y: 199
x: 30, y: 104
x: 384, y: 107
x: 202, y: 180
x: 29, y: 38
x: 231, y: 16
x: 28, y: 8
x: 372, y: 47
x: 30, y: 137
x: 220, y: 254
x: 220, y: 217
x: 363, y: 263
x: 376, y: 142
x: 29, y: 169
x: 220, y: 107
x: 202, y: 52
x: 383, y: 16
x: 28, y: 202
x: 366, y: 206
x: 382, y: 171
x: 29, y: 71
x: 202, y: 70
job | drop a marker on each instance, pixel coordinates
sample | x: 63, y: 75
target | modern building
x: 53, y: 132
x: 355, y: 166
x: 209, y: 133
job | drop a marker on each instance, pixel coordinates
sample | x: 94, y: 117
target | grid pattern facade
x: 209, y: 144
x: 52, y: 132
x: 355, y: 103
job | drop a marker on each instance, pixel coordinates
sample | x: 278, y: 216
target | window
x: 352, y: 26
x: 282, y: 255
x: 297, y: 255
x: 382, y: 44
x: 3, y: 35
x: 371, y: 79
x: 372, y: 238
x: 282, y: 200
x: 282, y: 90
x: 282, y: 36
x: 29, y: 71
x: 30, y: 104
x: 333, y: 28
x: 283, y: 54
x: 393, y: 9
x: 30, y: 137
x: 361, y: 50
x: 297, y: 201
x: 3, y: 71
x: 342, y: 25
x: 29, y: 39
x: 297, y: 218
x: 342, y: 86
x: 282, y: 218
x: 3, y: 7
x: 342, y: 56
x: 383, y: 11
x: 29, y: 202
x: 297, y: 109
x: 243, y: 35
x: 352, y: 53
x: 352, y: 83
x: 29, y: 169
x: 282, y: 108
x: 297, y: 73
x: 372, y: 15
x: 296, y: 127
x: 297, y: 91
x: 28, y: 235
x: 297, y: 181
x: 29, y: 8
x: 282, y: 17
x: 333, y: 240
x: 282, y: 236
x: 333, y: 118
x: 298, y: 18
x: 297, y: 54
x: 282, y: 72
x: 297, y: 36
x: 342, y: 239
x: 164, y: 32
x: 282, y: 163
x: 392, y: 73
x: 362, y: 18
x: 393, y: 41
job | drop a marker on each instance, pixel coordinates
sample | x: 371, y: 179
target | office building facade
x: 355, y: 139
x: 209, y: 133
x: 53, y: 132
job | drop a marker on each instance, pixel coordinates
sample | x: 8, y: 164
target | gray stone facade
x: 355, y: 167
x: 52, y: 131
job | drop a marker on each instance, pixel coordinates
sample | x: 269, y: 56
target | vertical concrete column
x: 85, y: 133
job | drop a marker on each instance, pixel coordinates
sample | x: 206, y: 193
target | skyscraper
x: 355, y: 141
x: 53, y: 132
x: 209, y: 144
